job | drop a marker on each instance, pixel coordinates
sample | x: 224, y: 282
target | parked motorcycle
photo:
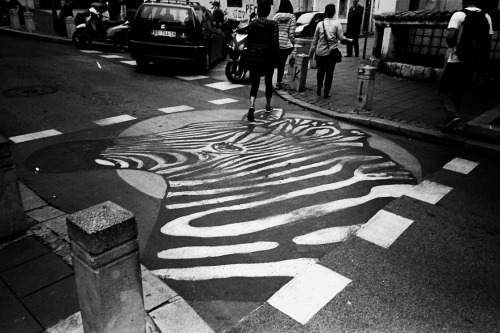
x: 97, y: 28
x: 237, y: 65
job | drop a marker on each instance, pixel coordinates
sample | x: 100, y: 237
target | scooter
x: 237, y: 65
x: 97, y: 28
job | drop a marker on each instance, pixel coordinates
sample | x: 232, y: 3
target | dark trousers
x: 282, y: 56
x: 326, y: 67
x: 255, y: 75
x: 355, y: 45
x: 454, y: 78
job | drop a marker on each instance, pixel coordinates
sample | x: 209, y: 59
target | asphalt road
x: 224, y: 206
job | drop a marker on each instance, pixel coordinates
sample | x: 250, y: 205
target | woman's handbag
x: 335, y: 53
x: 312, y: 63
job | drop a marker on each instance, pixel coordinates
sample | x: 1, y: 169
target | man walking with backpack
x: 468, y: 39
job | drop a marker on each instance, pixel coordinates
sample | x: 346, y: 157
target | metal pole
x: 367, y: 10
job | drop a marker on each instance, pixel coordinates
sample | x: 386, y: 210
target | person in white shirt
x: 459, y: 68
x: 325, y: 44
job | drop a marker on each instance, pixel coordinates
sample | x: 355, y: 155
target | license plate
x: 163, y: 33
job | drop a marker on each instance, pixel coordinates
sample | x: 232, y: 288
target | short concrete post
x: 107, y: 270
x: 70, y: 26
x: 12, y: 219
x: 298, y: 72
x: 14, y: 19
x: 28, y: 22
x: 366, y: 86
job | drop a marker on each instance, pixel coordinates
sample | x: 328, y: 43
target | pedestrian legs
x: 354, y: 44
x: 282, y: 56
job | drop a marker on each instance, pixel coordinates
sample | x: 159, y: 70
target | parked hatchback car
x: 307, y: 22
x: 175, y: 31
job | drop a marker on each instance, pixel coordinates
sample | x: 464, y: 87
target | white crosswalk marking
x: 224, y: 85
x: 223, y: 101
x: 112, y: 56
x: 309, y: 292
x: 460, y: 165
x: 114, y: 120
x: 384, y: 228
x: 429, y: 192
x: 193, y: 77
x: 173, y: 109
x: 33, y: 136
x: 129, y: 62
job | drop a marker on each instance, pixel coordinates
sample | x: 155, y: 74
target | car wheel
x: 81, y: 38
x: 142, y: 64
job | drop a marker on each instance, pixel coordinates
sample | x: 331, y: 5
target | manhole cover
x: 30, y: 91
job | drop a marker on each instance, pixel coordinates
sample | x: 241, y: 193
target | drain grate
x: 30, y: 91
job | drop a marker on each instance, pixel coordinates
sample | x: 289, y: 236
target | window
x: 235, y: 3
x: 343, y: 7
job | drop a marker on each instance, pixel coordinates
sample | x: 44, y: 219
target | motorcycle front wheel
x: 82, y: 39
x: 235, y: 72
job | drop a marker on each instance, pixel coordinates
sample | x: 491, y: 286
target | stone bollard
x: 14, y: 19
x: 298, y: 72
x: 12, y: 219
x: 366, y: 85
x: 107, y: 270
x: 70, y: 26
x: 28, y: 22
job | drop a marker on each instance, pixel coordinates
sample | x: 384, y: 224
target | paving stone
x: 44, y: 213
x: 30, y: 199
x: 14, y: 317
x: 20, y: 252
x: 36, y: 274
x: 62, y: 293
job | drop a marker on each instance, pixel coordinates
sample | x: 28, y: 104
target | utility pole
x: 366, y: 24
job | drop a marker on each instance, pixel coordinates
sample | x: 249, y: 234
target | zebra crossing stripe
x: 460, y: 165
x: 90, y: 51
x: 429, y: 192
x: 309, y: 292
x: 173, y: 109
x: 34, y: 136
x: 223, y: 101
x: 192, y: 77
x: 129, y: 62
x: 113, y: 120
x: 112, y: 56
x: 384, y: 228
x: 224, y: 85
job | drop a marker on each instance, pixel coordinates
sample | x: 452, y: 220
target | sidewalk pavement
x: 35, y: 269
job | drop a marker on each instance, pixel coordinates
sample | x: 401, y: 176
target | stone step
x: 486, y: 126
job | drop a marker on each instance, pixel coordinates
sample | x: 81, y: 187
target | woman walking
x: 286, y: 26
x: 262, y: 44
x: 325, y: 44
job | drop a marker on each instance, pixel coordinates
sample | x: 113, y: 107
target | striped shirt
x: 286, y: 25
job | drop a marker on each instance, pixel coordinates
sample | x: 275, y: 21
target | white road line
x: 192, y: 77
x: 34, y: 136
x: 173, y: 109
x: 429, y: 192
x: 309, y: 292
x: 129, y: 62
x: 224, y: 85
x: 90, y: 51
x: 113, y: 120
x: 191, y: 252
x: 327, y: 235
x: 384, y: 228
x: 112, y: 56
x: 223, y: 101
x: 460, y: 165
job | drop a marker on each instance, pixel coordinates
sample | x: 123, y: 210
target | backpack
x: 474, y: 44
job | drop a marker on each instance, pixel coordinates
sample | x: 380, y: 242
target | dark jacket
x: 262, y: 42
x: 354, y: 19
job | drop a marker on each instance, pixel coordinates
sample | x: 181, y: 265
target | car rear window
x: 305, y: 18
x: 170, y: 16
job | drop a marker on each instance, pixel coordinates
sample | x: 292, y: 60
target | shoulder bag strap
x: 326, y: 36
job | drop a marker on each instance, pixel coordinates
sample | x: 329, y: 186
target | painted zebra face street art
x: 252, y: 201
